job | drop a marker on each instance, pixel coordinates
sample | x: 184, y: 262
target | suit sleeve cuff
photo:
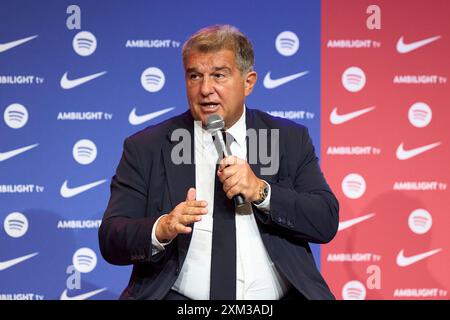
x: 156, y: 245
x: 265, y: 205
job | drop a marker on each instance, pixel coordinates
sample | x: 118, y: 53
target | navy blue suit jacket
x: 147, y: 184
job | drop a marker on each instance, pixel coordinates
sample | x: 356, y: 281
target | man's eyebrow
x: 215, y: 69
x: 188, y: 70
x: 222, y: 68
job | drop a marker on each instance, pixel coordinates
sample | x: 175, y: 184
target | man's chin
x: 203, y: 117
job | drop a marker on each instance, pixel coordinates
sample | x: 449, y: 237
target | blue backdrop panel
x: 51, y: 201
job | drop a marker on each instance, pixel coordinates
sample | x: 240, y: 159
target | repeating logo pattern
x: 375, y: 97
x: 153, y: 79
x: 84, y: 43
x: 354, y: 290
x: 74, y: 87
x: 16, y: 224
x: 384, y: 141
x: 84, y: 260
x: 84, y: 151
x: 287, y: 43
x: 353, y: 186
x: 420, y: 221
x: 16, y: 116
x: 420, y: 115
x: 354, y: 79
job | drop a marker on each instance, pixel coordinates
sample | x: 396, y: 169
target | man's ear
x: 250, y: 81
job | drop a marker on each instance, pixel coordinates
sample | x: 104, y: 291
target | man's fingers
x: 191, y: 194
x: 195, y: 210
x: 230, y: 160
x: 180, y: 228
x: 195, y: 203
x: 232, y: 192
x: 189, y: 219
x: 227, y: 172
x: 231, y: 182
x: 186, y: 220
x: 185, y: 213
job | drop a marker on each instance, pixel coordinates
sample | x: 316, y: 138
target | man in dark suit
x: 170, y: 205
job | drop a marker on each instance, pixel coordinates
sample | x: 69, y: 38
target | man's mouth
x: 209, y: 106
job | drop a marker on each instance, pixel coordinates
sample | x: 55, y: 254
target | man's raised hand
x: 179, y: 219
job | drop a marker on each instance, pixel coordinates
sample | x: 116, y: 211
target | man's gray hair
x: 219, y: 37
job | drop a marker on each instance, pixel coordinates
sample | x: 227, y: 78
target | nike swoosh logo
x: 403, y: 47
x: 349, y: 223
x: 270, y: 83
x: 8, y: 264
x: 69, y: 84
x: 9, y: 45
x: 336, y: 118
x: 9, y: 154
x: 135, y: 120
x: 67, y: 192
x: 83, y: 296
x: 403, y: 154
x: 403, y: 261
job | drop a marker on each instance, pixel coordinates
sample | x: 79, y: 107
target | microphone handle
x: 238, y: 199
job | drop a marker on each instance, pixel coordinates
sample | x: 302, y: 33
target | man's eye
x: 219, y: 76
x: 193, y: 76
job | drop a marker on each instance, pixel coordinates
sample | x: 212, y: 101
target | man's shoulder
x: 157, y: 133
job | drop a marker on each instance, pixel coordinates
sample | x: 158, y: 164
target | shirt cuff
x: 156, y: 245
x: 265, y: 205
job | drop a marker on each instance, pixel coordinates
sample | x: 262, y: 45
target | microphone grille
x: 215, y: 122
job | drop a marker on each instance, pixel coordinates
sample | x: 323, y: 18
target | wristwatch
x: 263, y: 193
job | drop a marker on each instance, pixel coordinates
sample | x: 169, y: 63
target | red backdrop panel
x: 385, y: 136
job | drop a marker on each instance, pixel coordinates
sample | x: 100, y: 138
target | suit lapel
x: 253, y: 122
x: 180, y: 177
x: 252, y: 149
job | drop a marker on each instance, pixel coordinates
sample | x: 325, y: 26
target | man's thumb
x: 191, y: 194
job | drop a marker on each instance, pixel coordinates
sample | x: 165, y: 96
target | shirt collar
x: 237, y: 130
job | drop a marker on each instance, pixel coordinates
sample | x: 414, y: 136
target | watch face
x: 265, y: 191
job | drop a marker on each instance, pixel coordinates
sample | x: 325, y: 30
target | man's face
x: 214, y: 84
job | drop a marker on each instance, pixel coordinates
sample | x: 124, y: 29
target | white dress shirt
x: 256, y: 275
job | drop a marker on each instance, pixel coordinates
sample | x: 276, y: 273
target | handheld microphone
x: 215, y: 125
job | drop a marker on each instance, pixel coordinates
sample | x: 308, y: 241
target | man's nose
x: 207, y: 87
